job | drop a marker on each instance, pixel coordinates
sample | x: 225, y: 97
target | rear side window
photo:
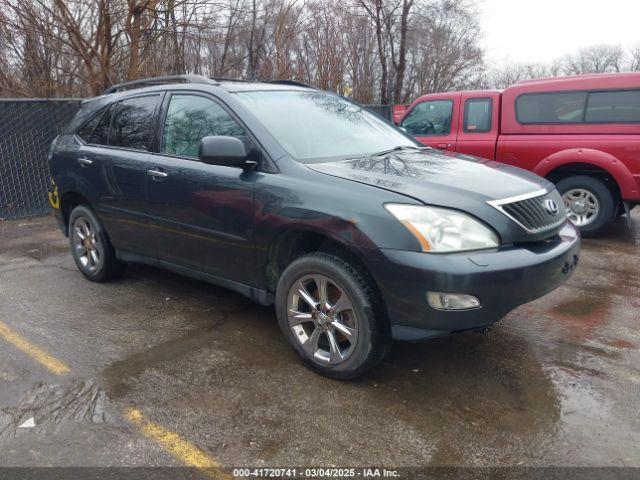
x: 190, y: 118
x: 557, y: 107
x: 429, y: 118
x: 87, y: 129
x: 132, y: 123
x: 613, y: 107
x: 96, y: 130
x: 100, y: 135
x: 477, y: 115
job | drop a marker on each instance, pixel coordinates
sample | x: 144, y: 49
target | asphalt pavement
x: 156, y: 369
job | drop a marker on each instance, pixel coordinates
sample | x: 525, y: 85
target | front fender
x: 597, y: 158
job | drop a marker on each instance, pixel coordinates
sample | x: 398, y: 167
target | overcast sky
x: 541, y: 30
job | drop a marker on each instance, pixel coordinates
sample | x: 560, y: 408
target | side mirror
x: 222, y: 150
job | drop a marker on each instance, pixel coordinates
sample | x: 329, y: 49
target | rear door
x: 478, y: 124
x: 434, y: 121
x: 202, y: 215
x: 113, y: 161
x: 131, y: 137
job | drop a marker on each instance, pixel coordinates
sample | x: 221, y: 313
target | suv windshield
x: 311, y: 125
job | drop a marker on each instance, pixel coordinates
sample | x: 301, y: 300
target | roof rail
x: 229, y: 79
x: 147, y: 82
x: 291, y: 82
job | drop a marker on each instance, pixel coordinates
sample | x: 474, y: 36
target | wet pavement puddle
x: 53, y: 404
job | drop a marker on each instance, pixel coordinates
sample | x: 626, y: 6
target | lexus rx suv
x: 301, y: 199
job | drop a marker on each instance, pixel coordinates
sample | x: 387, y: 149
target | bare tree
x: 376, y: 13
x: 373, y: 50
x: 516, y: 72
x: 634, y: 53
x: 453, y: 58
x: 595, y: 59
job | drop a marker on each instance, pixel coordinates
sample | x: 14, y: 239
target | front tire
x: 329, y: 313
x: 589, y: 203
x: 91, y: 248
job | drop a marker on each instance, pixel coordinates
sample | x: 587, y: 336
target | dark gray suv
x: 302, y: 199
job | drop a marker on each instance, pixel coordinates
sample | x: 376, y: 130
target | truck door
x: 433, y: 121
x: 478, y: 124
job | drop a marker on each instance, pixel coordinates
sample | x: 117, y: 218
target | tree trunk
x: 134, y: 32
x: 382, y: 52
x: 251, y: 70
x: 402, y: 53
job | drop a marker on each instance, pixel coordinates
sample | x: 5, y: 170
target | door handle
x: 157, y: 174
x: 84, y: 161
x: 443, y: 146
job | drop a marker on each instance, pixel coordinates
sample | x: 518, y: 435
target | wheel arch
x: 583, y: 161
x: 68, y: 202
x: 294, y: 242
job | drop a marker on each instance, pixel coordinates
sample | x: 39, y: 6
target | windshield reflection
x: 314, y: 125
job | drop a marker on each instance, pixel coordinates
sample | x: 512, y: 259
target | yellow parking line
x: 183, y: 450
x: 53, y: 364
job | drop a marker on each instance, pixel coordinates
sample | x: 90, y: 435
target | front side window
x: 477, y: 115
x: 430, y: 118
x: 190, y: 118
x: 613, y: 107
x: 312, y: 125
x: 132, y: 123
x: 557, y: 107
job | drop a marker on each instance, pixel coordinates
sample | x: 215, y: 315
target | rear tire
x: 589, y: 203
x: 91, y: 248
x: 345, y: 337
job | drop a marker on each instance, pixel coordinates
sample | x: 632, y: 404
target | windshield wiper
x: 399, y: 148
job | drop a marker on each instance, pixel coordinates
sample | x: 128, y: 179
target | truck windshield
x: 314, y: 125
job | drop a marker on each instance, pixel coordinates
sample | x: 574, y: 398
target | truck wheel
x: 589, y: 203
x: 91, y: 248
x: 328, y: 312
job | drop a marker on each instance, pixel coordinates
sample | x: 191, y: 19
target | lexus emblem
x: 551, y: 207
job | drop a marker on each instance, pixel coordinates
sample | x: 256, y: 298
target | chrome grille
x: 534, y: 212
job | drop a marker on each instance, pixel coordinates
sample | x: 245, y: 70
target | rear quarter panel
x: 617, y: 154
x: 540, y: 148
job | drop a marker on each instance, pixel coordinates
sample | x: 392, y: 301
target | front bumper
x: 501, y: 279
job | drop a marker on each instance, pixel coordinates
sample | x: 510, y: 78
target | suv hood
x: 456, y: 181
x: 435, y: 177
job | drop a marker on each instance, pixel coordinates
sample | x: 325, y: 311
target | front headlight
x: 443, y: 230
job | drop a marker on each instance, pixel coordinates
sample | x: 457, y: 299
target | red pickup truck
x: 581, y: 132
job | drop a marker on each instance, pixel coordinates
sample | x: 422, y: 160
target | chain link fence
x: 27, y: 128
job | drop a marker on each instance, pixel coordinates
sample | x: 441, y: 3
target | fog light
x: 452, y: 301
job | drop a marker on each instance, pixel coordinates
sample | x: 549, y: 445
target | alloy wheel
x: 582, y: 206
x: 322, y: 318
x: 87, y: 246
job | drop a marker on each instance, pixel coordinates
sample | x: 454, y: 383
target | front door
x: 201, y: 215
x: 433, y: 122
